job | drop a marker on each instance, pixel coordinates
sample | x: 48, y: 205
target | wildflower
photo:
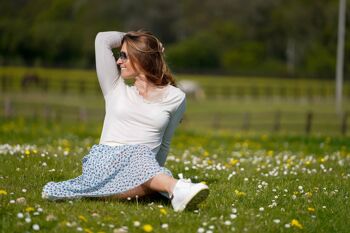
x: 36, y: 227
x: 163, y: 211
x: 261, y: 209
x: 87, y: 230
x: 239, y: 193
x: 270, y: 153
x: 21, y: 200
x: 227, y: 222
x: 165, y: 225
x: 308, y: 194
x: 3, y: 192
x: 233, y: 216
x: 200, y: 230
x: 147, y: 228
x: 29, y: 209
x: 295, y: 223
x: 20, y: 215
x: 310, y: 209
x: 137, y: 223
x: 233, y: 162
x: 82, y: 218
x: 277, y: 221
x: 27, y: 219
x: 50, y: 217
x: 27, y: 152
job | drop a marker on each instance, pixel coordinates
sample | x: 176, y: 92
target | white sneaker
x: 188, y: 195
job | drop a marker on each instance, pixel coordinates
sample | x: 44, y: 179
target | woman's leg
x: 159, y: 183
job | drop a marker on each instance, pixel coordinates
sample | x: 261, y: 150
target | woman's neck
x: 143, y: 86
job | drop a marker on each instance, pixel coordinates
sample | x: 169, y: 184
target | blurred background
x: 246, y: 66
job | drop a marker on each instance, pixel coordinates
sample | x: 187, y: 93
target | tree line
x: 271, y: 37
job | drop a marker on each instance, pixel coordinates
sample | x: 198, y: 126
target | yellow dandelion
x: 147, y: 228
x: 3, y: 192
x: 270, y: 153
x: 210, y: 162
x: 27, y: 152
x: 239, y: 193
x: 163, y: 211
x: 234, y: 162
x: 205, y: 154
x: 82, y: 218
x: 296, y: 223
x: 310, y: 209
x: 87, y: 230
x: 30, y: 209
x: 308, y: 194
x: 203, y: 182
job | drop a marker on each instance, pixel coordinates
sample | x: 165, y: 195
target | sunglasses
x: 122, y: 56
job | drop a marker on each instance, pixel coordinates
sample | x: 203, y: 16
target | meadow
x: 258, y: 183
x: 260, y: 180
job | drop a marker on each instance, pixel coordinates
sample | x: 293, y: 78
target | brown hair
x: 145, y: 50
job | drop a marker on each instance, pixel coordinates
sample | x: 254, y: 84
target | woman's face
x: 126, y: 69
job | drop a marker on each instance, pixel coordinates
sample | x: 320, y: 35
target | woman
x: 139, y: 123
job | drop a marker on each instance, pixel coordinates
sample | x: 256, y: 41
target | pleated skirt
x: 108, y: 171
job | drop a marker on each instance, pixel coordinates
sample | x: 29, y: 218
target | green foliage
x: 195, y: 53
x: 236, y: 37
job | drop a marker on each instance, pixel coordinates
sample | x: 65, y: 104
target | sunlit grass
x: 258, y: 183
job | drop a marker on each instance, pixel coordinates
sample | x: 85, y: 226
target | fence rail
x: 278, y: 121
x: 90, y: 86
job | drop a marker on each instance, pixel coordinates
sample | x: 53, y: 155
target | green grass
x: 307, y: 178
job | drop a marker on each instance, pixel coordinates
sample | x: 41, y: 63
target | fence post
x: 47, y: 112
x: 64, y: 85
x: 277, y: 124
x: 82, y: 86
x: 344, y: 123
x: 308, y: 125
x: 4, y: 83
x: 82, y: 114
x: 246, y: 121
x: 7, y: 108
x: 216, y: 121
x: 45, y: 84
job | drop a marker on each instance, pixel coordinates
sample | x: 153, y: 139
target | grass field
x: 258, y: 183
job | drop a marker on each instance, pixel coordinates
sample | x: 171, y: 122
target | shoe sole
x: 193, y: 200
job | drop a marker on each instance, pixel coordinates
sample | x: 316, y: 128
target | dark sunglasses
x: 122, y: 56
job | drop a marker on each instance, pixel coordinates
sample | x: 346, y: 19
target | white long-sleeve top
x: 129, y: 118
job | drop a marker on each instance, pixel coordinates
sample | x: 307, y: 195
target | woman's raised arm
x: 106, y: 67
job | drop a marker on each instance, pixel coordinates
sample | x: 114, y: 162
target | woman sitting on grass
x: 139, y: 123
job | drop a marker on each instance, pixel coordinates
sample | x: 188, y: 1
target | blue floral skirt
x: 108, y: 171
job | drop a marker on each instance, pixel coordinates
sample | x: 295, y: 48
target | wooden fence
x: 299, y: 122
x: 89, y: 86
